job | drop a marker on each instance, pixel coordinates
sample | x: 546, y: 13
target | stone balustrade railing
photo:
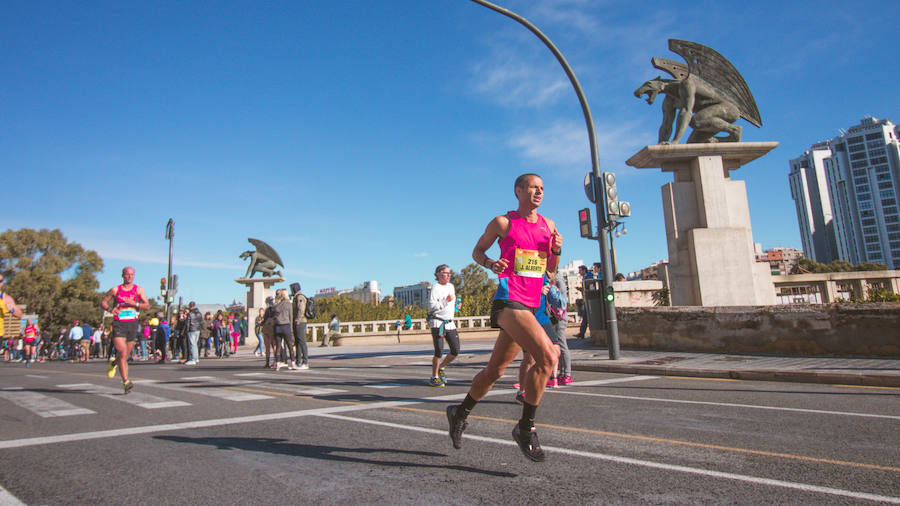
x: 318, y: 330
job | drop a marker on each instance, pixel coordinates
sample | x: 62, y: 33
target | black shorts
x: 127, y: 329
x: 499, y: 305
x: 452, y: 338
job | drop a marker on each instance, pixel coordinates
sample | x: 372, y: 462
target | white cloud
x: 564, y: 144
x: 421, y: 255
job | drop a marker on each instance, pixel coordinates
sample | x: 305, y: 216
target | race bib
x: 530, y: 263
x: 128, y: 314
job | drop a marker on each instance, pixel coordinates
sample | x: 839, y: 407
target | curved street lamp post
x: 603, y: 222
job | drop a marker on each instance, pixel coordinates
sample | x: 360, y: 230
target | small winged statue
x: 264, y: 260
x: 708, y: 94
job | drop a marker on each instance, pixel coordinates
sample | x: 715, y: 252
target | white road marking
x: 40, y: 404
x: 385, y: 385
x: 62, y: 438
x: 644, y: 463
x: 7, y: 499
x: 36, y: 376
x: 731, y: 405
x: 217, y: 392
x: 136, y: 398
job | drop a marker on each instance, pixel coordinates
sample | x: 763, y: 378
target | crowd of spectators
x: 182, y: 338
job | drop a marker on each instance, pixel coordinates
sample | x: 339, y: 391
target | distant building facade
x: 569, y: 272
x: 413, y: 295
x: 862, y: 174
x: 367, y: 292
x: 656, y: 270
x: 781, y: 260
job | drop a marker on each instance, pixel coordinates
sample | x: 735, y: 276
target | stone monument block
x: 707, y: 217
x: 257, y: 291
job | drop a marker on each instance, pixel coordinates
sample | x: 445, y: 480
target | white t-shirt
x: 438, y: 305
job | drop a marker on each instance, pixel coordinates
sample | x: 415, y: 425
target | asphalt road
x: 365, y: 428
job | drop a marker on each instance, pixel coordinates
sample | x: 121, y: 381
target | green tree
x: 349, y: 309
x: 806, y: 266
x: 476, y: 290
x: 55, y: 278
x: 870, y: 266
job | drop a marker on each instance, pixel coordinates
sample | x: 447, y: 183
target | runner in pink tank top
x: 530, y: 245
x: 129, y: 300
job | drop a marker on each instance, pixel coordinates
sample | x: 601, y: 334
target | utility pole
x: 612, y: 327
x: 170, y: 235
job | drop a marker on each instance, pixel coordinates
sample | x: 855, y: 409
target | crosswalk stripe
x: 139, y: 399
x: 217, y: 392
x: 284, y: 387
x: 42, y: 405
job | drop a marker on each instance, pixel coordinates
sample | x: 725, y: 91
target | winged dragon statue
x: 264, y: 260
x: 708, y: 94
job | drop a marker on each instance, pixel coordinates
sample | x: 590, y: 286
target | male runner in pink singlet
x: 530, y: 245
x: 129, y: 300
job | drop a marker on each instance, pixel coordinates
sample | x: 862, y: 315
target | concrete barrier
x: 835, y: 329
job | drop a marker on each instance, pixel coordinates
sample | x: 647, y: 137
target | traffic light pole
x: 170, y: 234
x: 602, y: 219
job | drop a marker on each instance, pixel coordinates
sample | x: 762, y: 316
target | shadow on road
x: 335, y: 453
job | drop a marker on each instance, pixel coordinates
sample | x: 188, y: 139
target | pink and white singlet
x: 526, y: 248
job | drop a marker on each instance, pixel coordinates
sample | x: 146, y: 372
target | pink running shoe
x: 567, y: 380
x: 552, y: 383
x: 517, y: 386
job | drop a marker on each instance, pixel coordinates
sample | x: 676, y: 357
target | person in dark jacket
x: 193, y: 323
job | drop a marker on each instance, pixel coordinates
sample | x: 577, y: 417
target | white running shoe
x: 191, y: 362
x: 303, y: 366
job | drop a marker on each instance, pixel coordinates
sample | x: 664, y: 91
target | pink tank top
x: 127, y: 297
x: 526, y: 248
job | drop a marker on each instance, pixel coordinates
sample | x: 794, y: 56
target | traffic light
x: 174, y: 283
x: 162, y: 284
x: 584, y: 223
x: 612, y: 194
x: 610, y: 294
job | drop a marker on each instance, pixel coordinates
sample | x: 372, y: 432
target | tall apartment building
x: 569, y: 272
x: 781, y: 260
x: 862, y: 175
x: 809, y: 189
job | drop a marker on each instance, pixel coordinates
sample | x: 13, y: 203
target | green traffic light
x: 610, y: 297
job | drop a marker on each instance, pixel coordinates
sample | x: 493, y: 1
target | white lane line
x: 36, y: 376
x: 731, y: 405
x: 385, y: 385
x: 644, y: 463
x: 608, y: 381
x: 40, y: 404
x: 139, y: 399
x: 62, y: 438
x: 217, y: 392
x: 7, y: 499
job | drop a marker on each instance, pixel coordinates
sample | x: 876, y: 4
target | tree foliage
x: 807, y: 266
x: 472, y: 285
x: 55, y: 278
x: 475, y: 289
x: 349, y: 309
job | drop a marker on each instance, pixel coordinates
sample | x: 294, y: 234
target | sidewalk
x: 876, y: 372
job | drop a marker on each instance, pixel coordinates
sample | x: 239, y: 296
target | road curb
x: 842, y: 378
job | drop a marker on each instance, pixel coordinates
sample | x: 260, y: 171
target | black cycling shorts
x: 452, y: 338
x: 499, y: 305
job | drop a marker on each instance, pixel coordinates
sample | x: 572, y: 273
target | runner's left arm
x: 556, y: 241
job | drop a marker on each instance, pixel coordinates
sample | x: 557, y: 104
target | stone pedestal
x: 257, y: 291
x: 710, y: 241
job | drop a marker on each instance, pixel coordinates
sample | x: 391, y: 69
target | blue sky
x: 372, y: 140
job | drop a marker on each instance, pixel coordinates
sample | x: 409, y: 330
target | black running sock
x: 466, y: 407
x: 527, y: 420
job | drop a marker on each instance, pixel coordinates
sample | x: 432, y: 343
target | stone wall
x: 836, y: 329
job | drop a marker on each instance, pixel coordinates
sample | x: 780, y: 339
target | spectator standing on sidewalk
x: 299, y: 302
x: 75, y: 335
x: 162, y: 339
x: 283, y: 332
x: 206, y: 333
x: 193, y: 324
